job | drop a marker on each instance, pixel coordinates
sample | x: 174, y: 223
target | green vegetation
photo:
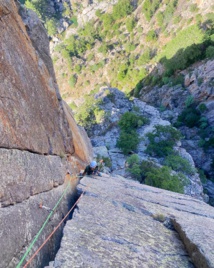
x: 162, y: 178
x: 162, y: 140
x: 89, y: 112
x: 179, y: 164
x: 179, y: 54
x: 194, y: 8
x: 72, y: 80
x: 159, y: 217
x: 151, y: 36
x: 130, y: 120
x: 51, y: 27
x: 130, y: 24
x: 122, y: 9
x: 147, y: 172
x: 192, y: 116
x: 149, y: 8
x: 128, y: 140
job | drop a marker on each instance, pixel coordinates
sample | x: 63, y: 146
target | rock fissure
x: 194, y: 251
x: 33, y: 152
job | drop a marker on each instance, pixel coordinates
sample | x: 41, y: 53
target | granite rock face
x: 31, y: 116
x: 121, y: 223
x: 21, y: 222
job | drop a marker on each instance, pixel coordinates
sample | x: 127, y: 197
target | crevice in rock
x: 196, y: 255
x: 55, y: 242
x: 32, y: 151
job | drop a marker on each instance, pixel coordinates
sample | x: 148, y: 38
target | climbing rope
x: 55, y: 229
x: 41, y: 229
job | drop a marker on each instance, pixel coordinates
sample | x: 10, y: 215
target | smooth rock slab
x: 114, y: 226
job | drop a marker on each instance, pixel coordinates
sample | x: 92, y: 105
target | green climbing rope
x: 41, y: 229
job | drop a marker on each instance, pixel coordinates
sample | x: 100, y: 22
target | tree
x: 122, y: 9
x: 51, y: 27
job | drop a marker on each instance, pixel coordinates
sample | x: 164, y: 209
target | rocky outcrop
x: 38, y: 143
x: 90, y: 7
x: 121, y: 223
x: 198, y: 83
x: 114, y: 103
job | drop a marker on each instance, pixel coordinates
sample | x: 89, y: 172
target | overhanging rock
x: 121, y: 223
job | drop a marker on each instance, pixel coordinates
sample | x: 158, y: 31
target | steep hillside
x: 120, y: 223
x: 127, y: 44
x: 39, y: 138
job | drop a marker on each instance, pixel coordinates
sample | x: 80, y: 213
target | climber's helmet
x: 93, y: 164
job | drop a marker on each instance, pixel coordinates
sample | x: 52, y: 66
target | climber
x: 91, y: 169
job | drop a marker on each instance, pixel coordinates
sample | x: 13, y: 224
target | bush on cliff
x: 162, y: 140
x: 147, y: 172
x: 129, y: 140
x: 162, y: 178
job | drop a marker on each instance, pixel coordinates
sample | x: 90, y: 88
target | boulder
x: 101, y: 151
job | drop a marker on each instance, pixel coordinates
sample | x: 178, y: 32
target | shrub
x: 210, y: 52
x: 160, y: 19
x: 194, y: 8
x: 170, y: 9
x: 128, y: 141
x: 77, y: 68
x: 179, y: 164
x: 99, y: 115
x: 151, y: 36
x: 67, y: 10
x: 122, y: 9
x: 107, y: 20
x: 98, y: 13
x: 51, y: 27
x: 129, y: 121
x: 72, y: 105
x: 103, y: 48
x: 162, y: 178
x: 72, y: 81
x: 85, y: 113
x: 189, y: 101
x: 73, y: 20
x: 130, y: 24
x: 202, y: 176
x: 149, y: 8
x: 145, y: 57
x: 159, y: 217
x: 190, y: 116
x: 202, y: 107
x: 134, y: 166
x: 162, y: 140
